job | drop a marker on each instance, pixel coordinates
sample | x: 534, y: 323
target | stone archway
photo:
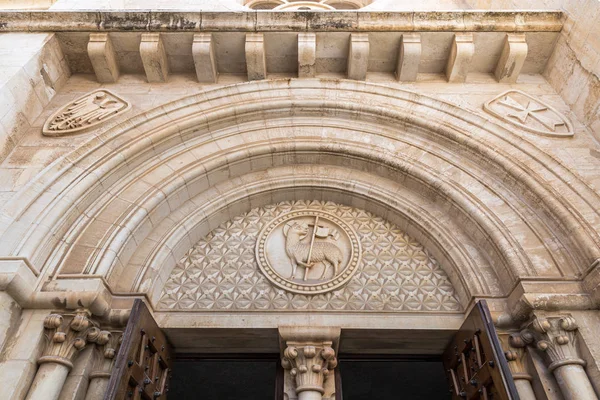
x: 129, y: 203
x: 109, y: 222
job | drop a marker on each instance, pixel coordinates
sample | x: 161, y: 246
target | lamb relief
x: 308, y: 252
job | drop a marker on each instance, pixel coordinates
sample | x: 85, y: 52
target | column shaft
x: 574, y: 383
x: 310, y: 395
x: 97, y: 388
x: 48, y: 382
x: 525, y: 390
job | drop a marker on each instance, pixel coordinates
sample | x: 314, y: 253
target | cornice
x: 269, y: 21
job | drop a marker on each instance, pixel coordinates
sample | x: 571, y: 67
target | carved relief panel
x: 358, y: 262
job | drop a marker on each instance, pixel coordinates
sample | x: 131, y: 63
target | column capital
x: 309, y: 354
x: 66, y: 334
x: 105, y: 351
x: 514, y: 346
x: 556, y: 336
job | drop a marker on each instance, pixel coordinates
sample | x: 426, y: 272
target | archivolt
x: 490, y: 206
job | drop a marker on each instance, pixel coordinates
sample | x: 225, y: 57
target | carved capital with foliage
x: 105, y: 353
x: 309, y: 365
x: 66, y: 335
x: 514, y: 346
x: 558, y: 339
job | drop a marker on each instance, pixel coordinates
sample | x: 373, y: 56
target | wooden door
x: 474, y: 361
x: 143, y: 365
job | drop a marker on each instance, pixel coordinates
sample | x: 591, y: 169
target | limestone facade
x: 301, y: 173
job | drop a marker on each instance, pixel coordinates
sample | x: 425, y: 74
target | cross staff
x: 312, y: 241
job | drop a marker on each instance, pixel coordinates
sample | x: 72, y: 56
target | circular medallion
x: 308, y: 252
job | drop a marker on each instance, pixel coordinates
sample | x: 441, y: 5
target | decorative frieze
x: 85, y: 113
x: 529, y: 113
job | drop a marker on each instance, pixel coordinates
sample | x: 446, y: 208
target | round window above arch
x: 307, y: 5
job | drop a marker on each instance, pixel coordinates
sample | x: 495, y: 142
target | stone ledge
x: 268, y: 21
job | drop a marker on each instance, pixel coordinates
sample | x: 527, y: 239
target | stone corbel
x: 154, y: 57
x: 256, y: 62
x: 556, y: 338
x: 309, y: 356
x: 358, y: 56
x: 512, y: 59
x: 103, y: 58
x: 66, y: 335
x: 409, y: 57
x: 460, y: 58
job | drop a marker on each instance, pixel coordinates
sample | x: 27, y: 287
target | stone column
x: 105, y: 352
x: 558, y: 340
x: 516, y: 356
x: 65, y: 335
x: 309, y: 356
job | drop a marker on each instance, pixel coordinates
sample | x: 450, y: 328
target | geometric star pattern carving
x: 221, y: 273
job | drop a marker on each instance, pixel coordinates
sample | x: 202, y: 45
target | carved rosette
x: 309, y: 365
x: 107, y: 347
x: 66, y: 335
x: 558, y: 340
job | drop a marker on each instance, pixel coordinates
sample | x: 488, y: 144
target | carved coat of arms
x: 529, y: 113
x: 84, y: 113
x: 308, y: 252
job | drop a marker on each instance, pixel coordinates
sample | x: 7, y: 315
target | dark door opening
x: 215, y: 377
x: 260, y: 377
x: 384, y: 377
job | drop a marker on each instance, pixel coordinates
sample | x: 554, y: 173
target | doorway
x: 260, y: 377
